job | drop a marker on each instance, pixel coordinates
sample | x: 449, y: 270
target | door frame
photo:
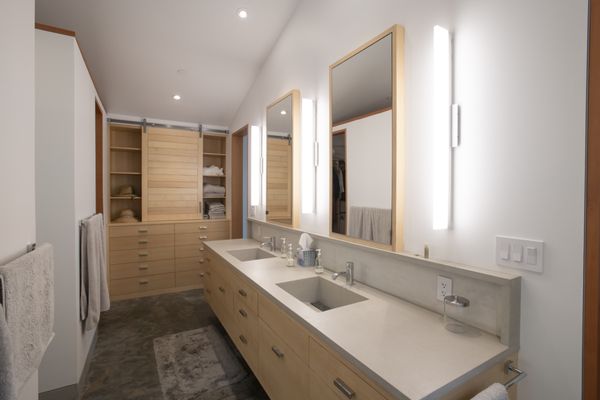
x: 237, y: 182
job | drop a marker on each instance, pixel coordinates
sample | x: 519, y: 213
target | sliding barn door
x: 172, y: 176
x: 279, y: 180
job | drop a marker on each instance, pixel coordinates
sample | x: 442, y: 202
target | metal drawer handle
x: 201, y: 261
x: 208, y: 273
x: 203, y: 237
x: 345, y: 389
x: 142, y: 230
x: 208, y: 291
x: 277, y: 352
x: 221, y: 289
x: 143, y: 254
x: 243, y: 339
x: 243, y: 313
x: 242, y: 293
x: 201, y: 274
x: 143, y: 282
x: 143, y: 267
x: 142, y: 241
x: 203, y: 228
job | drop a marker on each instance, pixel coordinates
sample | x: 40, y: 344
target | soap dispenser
x: 318, y: 267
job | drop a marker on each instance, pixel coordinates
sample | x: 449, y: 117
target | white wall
x: 17, y: 155
x: 520, y: 79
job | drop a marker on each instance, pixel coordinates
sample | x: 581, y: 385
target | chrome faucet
x: 349, y: 273
x: 269, y: 241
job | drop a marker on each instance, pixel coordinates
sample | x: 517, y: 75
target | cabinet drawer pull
x: 242, y: 293
x: 243, y: 339
x: 143, y: 254
x: 208, y: 291
x: 143, y: 241
x: 342, y: 387
x: 208, y: 273
x: 277, y: 352
x: 243, y: 313
x: 143, y: 282
x: 201, y: 274
x: 202, y: 228
x: 143, y: 267
x: 203, y: 237
x: 201, y: 261
x: 221, y: 289
x: 143, y: 230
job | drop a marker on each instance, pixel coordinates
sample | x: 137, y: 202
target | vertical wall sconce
x: 255, y: 166
x: 309, y: 156
x: 442, y: 110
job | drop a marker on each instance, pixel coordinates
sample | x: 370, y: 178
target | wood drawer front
x: 141, y: 255
x: 132, y: 270
x: 246, y: 319
x: 205, y: 226
x: 139, y: 285
x: 196, y: 250
x: 188, y: 278
x: 284, y: 326
x: 190, y: 264
x: 245, y: 293
x: 223, y: 297
x: 337, y: 376
x: 137, y: 230
x: 282, y: 373
x: 141, y: 242
x: 184, y: 239
x: 248, y: 346
x: 319, y: 390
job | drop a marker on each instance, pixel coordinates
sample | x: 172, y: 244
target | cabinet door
x: 171, y: 177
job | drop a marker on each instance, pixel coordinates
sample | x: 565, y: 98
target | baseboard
x: 73, y: 392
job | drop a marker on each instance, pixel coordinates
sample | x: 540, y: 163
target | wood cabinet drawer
x: 142, y: 229
x: 204, y: 226
x: 284, y: 326
x: 182, y: 239
x: 245, y: 293
x: 141, y: 255
x: 190, y: 264
x: 141, y: 241
x: 339, y: 378
x: 132, y: 270
x: 246, y: 319
x: 283, y: 375
x: 319, y: 390
x: 137, y: 285
x: 188, y: 278
x: 222, y: 296
x: 247, y: 344
x: 196, y: 250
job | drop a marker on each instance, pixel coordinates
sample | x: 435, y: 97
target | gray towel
x: 29, y: 303
x: 374, y: 224
x: 94, y: 297
x: 7, y: 376
x: 355, y: 222
x: 495, y: 392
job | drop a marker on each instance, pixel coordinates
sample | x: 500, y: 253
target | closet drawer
x: 190, y: 264
x: 338, y: 377
x: 140, y: 255
x: 283, y: 325
x: 131, y: 270
x: 136, y: 230
x: 119, y: 287
x: 204, y: 226
x: 188, y: 278
x: 182, y: 239
x: 196, y: 250
x: 141, y: 241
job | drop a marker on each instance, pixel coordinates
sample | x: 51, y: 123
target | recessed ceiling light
x: 242, y: 13
x: 176, y: 97
x: 283, y: 112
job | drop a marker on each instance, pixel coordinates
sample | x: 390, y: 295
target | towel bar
x: 508, y: 368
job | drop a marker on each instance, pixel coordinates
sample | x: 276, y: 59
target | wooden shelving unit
x: 214, y: 153
x: 125, y: 169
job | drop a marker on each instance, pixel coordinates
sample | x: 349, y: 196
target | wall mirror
x: 367, y: 142
x: 283, y: 161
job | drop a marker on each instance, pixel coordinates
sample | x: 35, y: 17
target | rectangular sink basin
x: 251, y: 254
x: 321, y: 294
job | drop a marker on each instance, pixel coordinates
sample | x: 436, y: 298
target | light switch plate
x: 526, y: 254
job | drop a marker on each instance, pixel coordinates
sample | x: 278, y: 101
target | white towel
x: 495, y: 392
x: 7, y: 373
x: 213, y: 170
x: 214, y: 189
x: 94, y: 295
x: 29, y: 304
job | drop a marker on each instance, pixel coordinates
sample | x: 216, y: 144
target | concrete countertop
x: 402, y: 347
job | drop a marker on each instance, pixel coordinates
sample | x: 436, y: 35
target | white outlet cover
x: 444, y: 287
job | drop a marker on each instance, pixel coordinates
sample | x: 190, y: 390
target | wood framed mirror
x: 366, y: 90
x: 283, y: 160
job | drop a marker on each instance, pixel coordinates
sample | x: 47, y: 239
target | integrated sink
x: 251, y: 254
x: 321, y: 294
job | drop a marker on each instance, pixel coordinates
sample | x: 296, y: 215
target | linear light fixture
x: 255, y: 165
x: 442, y: 57
x: 309, y: 156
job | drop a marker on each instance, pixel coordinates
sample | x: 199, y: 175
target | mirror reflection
x: 361, y: 143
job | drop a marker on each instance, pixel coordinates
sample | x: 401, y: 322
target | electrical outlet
x: 444, y: 287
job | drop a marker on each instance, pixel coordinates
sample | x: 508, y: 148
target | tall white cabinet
x: 65, y: 193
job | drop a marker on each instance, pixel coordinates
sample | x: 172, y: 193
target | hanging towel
x: 7, y: 375
x: 374, y: 224
x: 495, y: 392
x: 29, y: 304
x: 94, y: 297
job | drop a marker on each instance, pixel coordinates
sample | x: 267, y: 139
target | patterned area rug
x: 199, y: 365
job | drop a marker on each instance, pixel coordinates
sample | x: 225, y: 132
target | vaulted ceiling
x: 141, y: 53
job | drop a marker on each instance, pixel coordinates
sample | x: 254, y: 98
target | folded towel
x: 94, y: 295
x: 213, y: 189
x: 495, y: 392
x: 7, y: 375
x: 213, y: 170
x: 29, y: 304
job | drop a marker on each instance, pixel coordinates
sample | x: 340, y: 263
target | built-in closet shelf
x: 215, y: 154
x: 126, y: 173
x: 215, y: 197
x: 125, y: 198
x: 119, y: 148
x: 214, y: 176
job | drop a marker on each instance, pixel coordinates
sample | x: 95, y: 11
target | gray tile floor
x: 123, y: 365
